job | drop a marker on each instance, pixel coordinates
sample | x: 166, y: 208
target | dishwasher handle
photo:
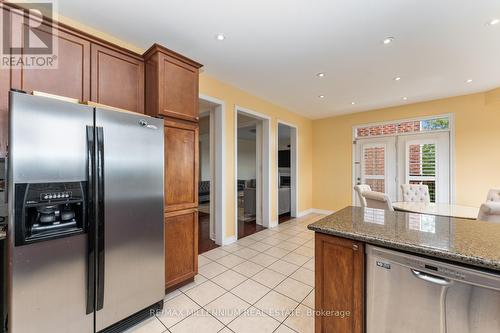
x: 431, y: 278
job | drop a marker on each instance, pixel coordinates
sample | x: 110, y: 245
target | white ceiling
x: 275, y: 48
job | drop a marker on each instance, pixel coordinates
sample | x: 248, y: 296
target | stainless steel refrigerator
x: 85, y: 232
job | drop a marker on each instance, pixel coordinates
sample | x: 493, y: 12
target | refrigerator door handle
x: 100, y: 218
x: 91, y: 226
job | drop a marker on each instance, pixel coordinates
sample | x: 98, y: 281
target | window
x: 374, y: 167
x: 387, y: 155
x: 421, y: 162
x: 403, y: 127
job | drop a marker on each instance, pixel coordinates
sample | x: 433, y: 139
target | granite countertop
x: 469, y: 242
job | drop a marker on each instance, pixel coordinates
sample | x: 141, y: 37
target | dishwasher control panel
x: 432, y: 269
x: 428, y: 267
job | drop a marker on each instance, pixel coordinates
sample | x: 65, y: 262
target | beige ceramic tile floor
x: 262, y: 283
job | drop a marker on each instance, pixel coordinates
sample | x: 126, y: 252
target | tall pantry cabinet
x: 171, y: 86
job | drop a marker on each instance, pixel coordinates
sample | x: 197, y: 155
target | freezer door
x: 48, y: 280
x: 130, y: 236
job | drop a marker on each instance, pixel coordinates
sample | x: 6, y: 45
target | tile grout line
x: 307, y: 240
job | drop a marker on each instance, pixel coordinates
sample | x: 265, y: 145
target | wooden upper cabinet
x: 181, y: 165
x: 181, y: 246
x: 339, y: 284
x: 71, y: 78
x: 117, y: 79
x: 171, y: 84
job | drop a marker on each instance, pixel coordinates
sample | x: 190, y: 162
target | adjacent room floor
x: 284, y: 217
x: 204, y: 242
x: 247, y: 228
x: 262, y: 283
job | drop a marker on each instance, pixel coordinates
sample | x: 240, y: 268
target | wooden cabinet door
x: 71, y: 78
x: 339, y: 284
x: 117, y: 79
x: 181, y: 165
x: 181, y: 246
x: 178, y: 89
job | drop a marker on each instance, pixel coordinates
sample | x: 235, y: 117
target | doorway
x: 287, y: 171
x: 211, y: 159
x: 252, y: 172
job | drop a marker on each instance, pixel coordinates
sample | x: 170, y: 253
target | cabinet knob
x: 355, y: 247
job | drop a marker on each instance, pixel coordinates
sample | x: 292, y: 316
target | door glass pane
x: 374, y: 167
x: 422, y: 166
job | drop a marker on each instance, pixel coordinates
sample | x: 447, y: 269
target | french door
x: 375, y: 164
x: 425, y: 159
x: 385, y: 163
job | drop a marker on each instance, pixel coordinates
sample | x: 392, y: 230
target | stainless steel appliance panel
x: 47, y: 279
x: 133, y: 215
x: 47, y: 139
x: 407, y: 293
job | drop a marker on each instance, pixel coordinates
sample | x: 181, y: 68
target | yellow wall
x: 325, y: 156
x: 232, y: 97
x: 477, y: 147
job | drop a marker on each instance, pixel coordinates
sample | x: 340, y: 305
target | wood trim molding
x: 159, y: 48
x: 79, y: 33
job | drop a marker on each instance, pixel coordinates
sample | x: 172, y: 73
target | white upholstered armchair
x: 415, y: 193
x: 359, y: 190
x: 493, y: 195
x: 377, y: 200
x: 490, y: 210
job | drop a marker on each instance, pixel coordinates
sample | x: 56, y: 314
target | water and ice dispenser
x: 46, y: 211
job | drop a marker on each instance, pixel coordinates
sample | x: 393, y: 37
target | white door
x: 425, y: 159
x: 375, y: 165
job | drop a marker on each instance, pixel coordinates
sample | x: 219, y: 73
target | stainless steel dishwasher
x: 407, y: 293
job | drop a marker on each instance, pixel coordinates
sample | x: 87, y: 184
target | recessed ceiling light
x: 397, y: 78
x: 405, y: 98
x: 321, y: 96
x: 494, y: 21
x: 353, y: 103
x: 320, y: 75
x: 468, y: 81
x: 220, y: 37
x: 388, y: 40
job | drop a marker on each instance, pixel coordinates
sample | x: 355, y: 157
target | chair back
x: 489, y: 211
x: 359, y: 190
x: 415, y: 193
x: 377, y: 200
x: 493, y: 195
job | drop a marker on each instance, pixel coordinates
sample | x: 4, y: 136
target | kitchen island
x: 343, y: 270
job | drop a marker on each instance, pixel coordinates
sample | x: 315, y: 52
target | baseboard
x: 229, y: 240
x: 304, y: 212
x: 315, y: 211
x: 322, y: 211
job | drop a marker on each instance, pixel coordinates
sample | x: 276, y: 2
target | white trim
x: 218, y: 211
x: 259, y: 166
x: 451, y: 119
x: 294, y: 168
x: 266, y: 165
x: 229, y: 240
x: 322, y: 211
x: 402, y: 120
x: 304, y: 212
x: 451, y: 130
x: 315, y: 211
